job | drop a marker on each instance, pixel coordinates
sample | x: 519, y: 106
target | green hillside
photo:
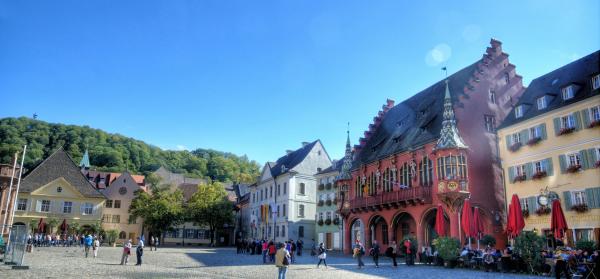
x: 114, y: 152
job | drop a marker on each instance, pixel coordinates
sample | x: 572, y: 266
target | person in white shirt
x: 126, y: 252
x: 95, y: 247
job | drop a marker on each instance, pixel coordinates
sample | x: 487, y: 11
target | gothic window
x: 426, y: 172
x: 452, y: 167
x: 405, y: 176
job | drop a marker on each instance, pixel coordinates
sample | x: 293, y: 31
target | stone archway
x: 428, y: 226
x: 378, y: 230
x: 403, y: 225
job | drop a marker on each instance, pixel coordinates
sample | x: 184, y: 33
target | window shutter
x: 524, y: 136
x: 567, y: 200
x: 590, y: 195
x: 507, y: 141
x: 562, y: 160
x: 543, y: 131
x: 38, y: 206
x: 81, y: 208
x: 586, y: 117
x: 529, y: 170
x: 532, y: 202
x: 549, y: 166
x: 577, y: 117
x: 556, y: 126
x: 511, y: 174
x: 592, y: 157
x: 584, y: 159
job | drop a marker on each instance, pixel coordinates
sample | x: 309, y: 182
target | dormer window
x: 541, y: 103
x: 596, y: 82
x: 519, y: 111
x: 568, y: 92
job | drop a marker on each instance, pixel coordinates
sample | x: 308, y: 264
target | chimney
x: 305, y: 143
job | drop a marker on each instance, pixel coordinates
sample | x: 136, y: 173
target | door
x: 328, y: 241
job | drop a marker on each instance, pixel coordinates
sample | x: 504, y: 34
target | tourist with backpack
x: 359, y: 251
x: 282, y: 261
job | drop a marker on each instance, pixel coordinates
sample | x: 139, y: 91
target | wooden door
x: 328, y: 241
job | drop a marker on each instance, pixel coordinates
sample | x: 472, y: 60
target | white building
x: 283, y: 202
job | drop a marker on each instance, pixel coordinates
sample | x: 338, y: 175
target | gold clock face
x: 346, y: 205
x: 452, y: 186
x: 441, y: 186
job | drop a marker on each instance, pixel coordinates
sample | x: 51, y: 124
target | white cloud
x: 439, y: 54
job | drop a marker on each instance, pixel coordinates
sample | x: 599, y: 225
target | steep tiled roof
x: 415, y: 121
x: 58, y: 165
x: 578, y: 72
x: 289, y: 161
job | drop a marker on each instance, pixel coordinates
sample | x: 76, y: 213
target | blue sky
x: 260, y: 77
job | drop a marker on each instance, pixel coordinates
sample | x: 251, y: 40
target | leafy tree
x: 447, y: 247
x: 160, y: 208
x: 530, y: 245
x: 52, y: 223
x: 111, y: 236
x: 33, y: 223
x: 74, y: 227
x: 210, y: 207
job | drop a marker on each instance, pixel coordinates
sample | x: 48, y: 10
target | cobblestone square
x: 214, y: 263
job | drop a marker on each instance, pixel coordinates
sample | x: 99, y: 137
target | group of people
x: 393, y: 251
x: 57, y: 240
x: 568, y: 262
x: 258, y: 247
x: 139, y: 250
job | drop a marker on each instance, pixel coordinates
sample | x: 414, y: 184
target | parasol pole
x: 16, y: 194
x: 4, y: 224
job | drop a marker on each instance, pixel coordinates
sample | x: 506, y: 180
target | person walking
x: 265, y: 250
x: 375, y: 253
x: 272, y: 251
x: 322, y: 255
x: 126, y: 252
x: 359, y: 251
x: 410, y: 257
x: 394, y: 252
x: 139, y: 251
x: 299, y: 246
x: 87, y: 242
x: 282, y: 261
x: 95, y: 247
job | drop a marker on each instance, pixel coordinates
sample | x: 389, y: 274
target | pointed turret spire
x: 449, y: 136
x: 347, y: 164
x: 85, y: 161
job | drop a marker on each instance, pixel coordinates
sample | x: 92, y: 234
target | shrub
x: 586, y: 245
x: 488, y: 240
x: 111, y: 236
x: 530, y: 245
x: 447, y: 247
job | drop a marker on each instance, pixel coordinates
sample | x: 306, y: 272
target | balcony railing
x: 415, y: 195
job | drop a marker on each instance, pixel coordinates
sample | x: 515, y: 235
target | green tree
x: 52, y: 223
x: 530, y: 245
x: 33, y: 223
x: 74, y: 227
x: 210, y: 207
x: 111, y: 236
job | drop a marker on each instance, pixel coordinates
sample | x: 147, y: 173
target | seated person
x: 488, y: 260
x: 464, y: 252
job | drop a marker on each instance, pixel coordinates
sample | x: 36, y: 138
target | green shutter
x: 596, y: 196
x: 584, y: 159
x: 524, y: 136
x: 511, y: 174
x: 529, y: 170
x: 590, y: 195
x: 549, y: 167
x: 543, y: 131
x: 586, y: 117
x: 593, y: 157
x: 577, y: 117
x: 562, y: 160
x: 556, y: 126
x: 567, y: 200
x: 507, y: 142
x: 532, y: 202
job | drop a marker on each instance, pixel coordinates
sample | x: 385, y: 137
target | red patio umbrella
x: 41, y: 225
x: 477, y: 225
x: 558, y: 222
x: 440, y: 222
x: 64, y: 226
x: 515, y: 222
x: 466, y: 219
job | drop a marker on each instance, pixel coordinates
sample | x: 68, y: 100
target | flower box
x: 544, y: 210
x: 534, y: 141
x: 595, y: 123
x: 321, y: 203
x: 525, y: 213
x: 565, y: 131
x: 539, y: 175
x: 520, y: 178
x: 573, y: 168
x: 515, y: 146
x: 336, y: 221
x: 328, y: 221
x: 328, y: 186
x: 580, y: 208
x: 321, y: 187
x: 328, y: 202
x: 320, y: 222
x: 597, y: 164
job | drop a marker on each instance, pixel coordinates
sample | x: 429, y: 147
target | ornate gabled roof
x: 449, y: 136
x: 347, y: 161
x: 85, y: 161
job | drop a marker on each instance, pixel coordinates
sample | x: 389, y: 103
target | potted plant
x: 328, y: 221
x: 534, y: 141
x: 565, y: 131
x: 488, y: 240
x: 529, y: 246
x: 328, y: 202
x: 525, y: 212
x: 580, y: 208
x: 321, y: 203
x: 111, y: 237
x: 573, y: 168
x: 586, y: 245
x: 515, y: 146
x: 320, y: 222
x: 448, y: 250
x: 321, y: 187
x: 542, y: 210
x: 595, y: 123
x: 328, y: 186
x: 336, y: 221
x: 519, y: 178
x: 539, y: 175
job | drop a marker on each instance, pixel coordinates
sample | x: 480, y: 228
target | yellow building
x: 550, y: 149
x: 115, y: 215
x: 56, y: 189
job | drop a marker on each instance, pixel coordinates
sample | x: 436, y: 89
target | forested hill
x: 114, y: 152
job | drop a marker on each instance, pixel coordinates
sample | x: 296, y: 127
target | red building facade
x: 437, y: 147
